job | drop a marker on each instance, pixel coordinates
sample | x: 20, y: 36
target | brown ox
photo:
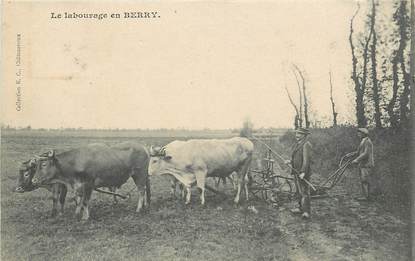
x: 95, y: 166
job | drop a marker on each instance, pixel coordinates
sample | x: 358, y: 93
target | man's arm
x: 306, y: 157
x: 363, y: 155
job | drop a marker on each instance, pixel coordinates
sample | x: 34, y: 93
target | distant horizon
x: 6, y: 126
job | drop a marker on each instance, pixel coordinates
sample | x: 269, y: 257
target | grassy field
x: 340, y: 228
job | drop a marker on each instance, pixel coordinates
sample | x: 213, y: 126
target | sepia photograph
x: 207, y: 130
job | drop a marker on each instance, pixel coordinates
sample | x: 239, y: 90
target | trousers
x: 304, y: 194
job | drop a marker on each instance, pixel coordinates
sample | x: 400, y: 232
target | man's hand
x: 301, y: 176
x: 287, y: 162
x: 355, y: 162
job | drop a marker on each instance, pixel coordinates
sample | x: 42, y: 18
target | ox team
x: 94, y: 166
x: 187, y: 162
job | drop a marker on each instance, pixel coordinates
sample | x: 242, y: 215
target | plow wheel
x: 269, y: 187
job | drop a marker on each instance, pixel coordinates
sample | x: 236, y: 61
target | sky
x: 200, y: 65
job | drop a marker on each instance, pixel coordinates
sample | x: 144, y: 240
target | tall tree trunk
x: 301, y: 100
x: 393, y: 117
x: 375, y: 85
x: 364, y: 76
x: 398, y: 59
x: 306, y: 119
x: 360, y: 109
x: 412, y: 59
x: 412, y: 103
x: 297, y: 121
x: 404, y: 97
x: 333, y: 109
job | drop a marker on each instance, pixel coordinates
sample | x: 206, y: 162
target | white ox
x: 192, y: 161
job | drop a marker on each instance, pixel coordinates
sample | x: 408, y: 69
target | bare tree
x: 297, y: 121
x: 300, y: 95
x: 403, y: 21
x: 375, y: 85
x: 360, y: 107
x: 306, y: 119
x: 398, y: 62
x: 393, y: 117
x: 412, y: 63
x: 333, y: 109
x: 365, y: 45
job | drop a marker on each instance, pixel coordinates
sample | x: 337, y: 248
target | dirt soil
x: 341, y: 228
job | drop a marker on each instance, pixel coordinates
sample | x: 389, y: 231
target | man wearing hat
x: 300, y: 162
x: 364, y: 160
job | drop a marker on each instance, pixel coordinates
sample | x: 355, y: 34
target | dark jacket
x: 301, y: 158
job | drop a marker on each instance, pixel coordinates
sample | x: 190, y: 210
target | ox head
x: 158, y: 161
x: 46, y: 169
x: 26, y: 171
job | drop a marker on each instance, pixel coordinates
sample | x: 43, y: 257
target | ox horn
x: 32, y: 162
x: 51, y: 154
x: 162, y: 151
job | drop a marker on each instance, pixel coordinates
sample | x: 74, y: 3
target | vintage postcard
x: 207, y: 130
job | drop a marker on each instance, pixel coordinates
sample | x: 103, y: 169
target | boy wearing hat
x: 364, y: 160
x: 300, y: 162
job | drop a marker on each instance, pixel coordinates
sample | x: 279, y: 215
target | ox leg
x: 247, y: 177
x: 79, y: 198
x: 78, y: 208
x: 62, y: 197
x: 201, y: 180
x: 217, y: 181
x: 236, y: 200
x: 223, y: 181
x: 182, y: 191
x: 140, y: 200
x: 242, y: 176
x: 188, y: 195
x: 246, y: 187
x: 85, y: 203
x: 173, y: 184
x: 241, y: 182
x: 234, y: 181
x: 55, y: 196
x: 139, y: 178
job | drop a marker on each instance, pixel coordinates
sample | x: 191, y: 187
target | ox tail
x: 148, y: 190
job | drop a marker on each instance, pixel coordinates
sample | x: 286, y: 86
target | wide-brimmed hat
x: 363, y: 130
x: 302, y: 131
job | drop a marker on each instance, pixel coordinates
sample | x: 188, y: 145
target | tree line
x: 382, y: 71
x: 383, y: 66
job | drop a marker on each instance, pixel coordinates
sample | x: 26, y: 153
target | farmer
x: 364, y: 159
x: 300, y: 163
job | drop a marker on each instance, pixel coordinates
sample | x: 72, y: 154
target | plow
x: 274, y: 181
